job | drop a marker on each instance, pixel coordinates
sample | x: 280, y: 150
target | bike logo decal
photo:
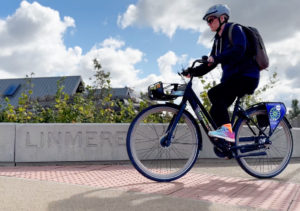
x: 275, y: 113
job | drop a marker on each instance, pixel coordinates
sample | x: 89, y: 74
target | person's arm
x: 203, y: 69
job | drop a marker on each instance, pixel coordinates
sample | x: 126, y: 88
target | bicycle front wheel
x: 275, y: 153
x: 150, y: 156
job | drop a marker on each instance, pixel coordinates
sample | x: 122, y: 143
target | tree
x: 102, y: 80
x: 81, y: 107
x: 295, y: 109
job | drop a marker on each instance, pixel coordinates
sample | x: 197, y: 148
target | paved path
x: 207, y: 191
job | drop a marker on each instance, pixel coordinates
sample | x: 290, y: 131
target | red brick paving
x: 263, y: 194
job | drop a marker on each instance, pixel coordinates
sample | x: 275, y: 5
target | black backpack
x: 255, y: 47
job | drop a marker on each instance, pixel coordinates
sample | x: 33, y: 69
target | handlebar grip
x: 202, y: 61
x: 196, y: 61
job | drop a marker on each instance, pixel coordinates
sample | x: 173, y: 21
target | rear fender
x: 276, y: 112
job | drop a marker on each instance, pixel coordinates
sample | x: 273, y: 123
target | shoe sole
x: 225, y: 138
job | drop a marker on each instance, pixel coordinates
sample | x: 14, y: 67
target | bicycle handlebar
x: 203, y: 60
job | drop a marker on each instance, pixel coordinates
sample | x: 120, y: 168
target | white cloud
x: 168, y: 66
x: 166, y: 62
x: 272, y: 17
x: 112, y: 43
x: 164, y: 16
x: 31, y: 40
x: 129, y: 17
x: 118, y: 61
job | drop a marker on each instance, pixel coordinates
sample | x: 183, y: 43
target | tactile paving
x: 263, y: 194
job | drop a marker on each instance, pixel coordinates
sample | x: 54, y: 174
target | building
x: 120, y: 93
x: 43, y: 88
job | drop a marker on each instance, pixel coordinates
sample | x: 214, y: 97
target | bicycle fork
x: 165, y: 140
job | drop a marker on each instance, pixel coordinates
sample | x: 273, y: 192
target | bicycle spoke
x: 163, y: 161
x: 278, y: 150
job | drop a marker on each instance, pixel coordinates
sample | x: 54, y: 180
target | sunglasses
x: 211, y: 19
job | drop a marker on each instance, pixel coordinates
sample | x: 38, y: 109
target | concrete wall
x: 7, y: 142
x: 76, y: 142
x: 296, y: 121
x: 70, y: 142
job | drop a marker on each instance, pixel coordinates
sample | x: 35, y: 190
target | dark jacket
x: 234, y: 59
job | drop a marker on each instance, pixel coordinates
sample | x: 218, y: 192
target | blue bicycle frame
x: 208, y: 123
x: 204, y: 118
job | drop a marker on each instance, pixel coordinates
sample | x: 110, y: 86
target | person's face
x: 213, y: 23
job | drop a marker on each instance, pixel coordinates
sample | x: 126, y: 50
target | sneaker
x: 223, y: 132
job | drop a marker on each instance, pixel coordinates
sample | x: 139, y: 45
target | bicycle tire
x: 149, y: 157
x: 278, y: 153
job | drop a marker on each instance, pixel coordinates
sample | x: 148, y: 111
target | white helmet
x: 217, y: 10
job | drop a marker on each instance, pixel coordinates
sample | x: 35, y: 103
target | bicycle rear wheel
x: 153, y: 159
x: 275, y: 155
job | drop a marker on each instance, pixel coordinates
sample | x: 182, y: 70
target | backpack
x: 255, y: 47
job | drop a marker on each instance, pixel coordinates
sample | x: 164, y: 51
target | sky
x: 140, y: 42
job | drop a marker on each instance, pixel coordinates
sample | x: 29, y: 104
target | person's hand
x: 210, y: 60
x: 187, y: 72
x: 188, y: 76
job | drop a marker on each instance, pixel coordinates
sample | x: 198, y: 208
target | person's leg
x: 221, y: 97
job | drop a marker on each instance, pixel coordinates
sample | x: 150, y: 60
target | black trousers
x: 224, y: 94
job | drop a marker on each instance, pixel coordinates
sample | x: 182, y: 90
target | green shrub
x: 80, y: 108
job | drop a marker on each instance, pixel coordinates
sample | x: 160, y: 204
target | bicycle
x: 164, y: 140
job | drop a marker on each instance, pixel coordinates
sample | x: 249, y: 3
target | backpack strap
x: 230, y: 33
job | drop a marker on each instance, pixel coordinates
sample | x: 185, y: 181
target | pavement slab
x: 222, y: 190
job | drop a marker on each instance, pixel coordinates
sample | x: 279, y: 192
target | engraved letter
x: 91, y: 136
x: 42, y: 140
x: 120, y: 137
x: 70, y: 140
x: 28, y: 142
x: 106, y: 136
x: 52, y: 138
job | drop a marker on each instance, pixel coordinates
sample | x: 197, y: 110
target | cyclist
x: 240, y: 74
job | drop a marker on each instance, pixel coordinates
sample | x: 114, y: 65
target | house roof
x: 42, y: 86
x: 120, y: 93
